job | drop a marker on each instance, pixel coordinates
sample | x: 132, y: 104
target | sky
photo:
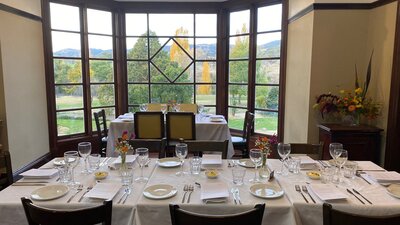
x: 65, y: 17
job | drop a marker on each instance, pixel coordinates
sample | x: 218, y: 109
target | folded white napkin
x: 130, y: 159
x: 368, y: 165
x: 40, y: 173
x: 384, y: 177
x: 217, y: 118
x: 104, y: 190
x: 211, y: 161
x: 306, y: 162
x: 126, y: 116
x: 215, y: 190
x: 327, y: 192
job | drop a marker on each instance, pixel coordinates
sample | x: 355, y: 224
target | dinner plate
x: 169, y: 162
x: 59, y: 161
x: 266, y: 191
x: 245, y: 163
x: 394, y: 190
x: 160, y: 191
x: 49, y: 192
x: 217, y: 120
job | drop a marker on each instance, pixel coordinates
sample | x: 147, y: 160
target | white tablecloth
x: 205, y: 130
x: 290, y: 209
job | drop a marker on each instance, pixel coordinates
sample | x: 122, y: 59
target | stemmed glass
x: 142, y: 157
x: 341, y: 159
x: 85, y: 148
x: 143, y: 107
x: 200, y: 108
x: 181, y: 152
x: 332, y: 147
x: 163, y: 108
x: 283, y: 151
x: 177, y: 107
x: 256, y: 157
x: 71, y: 159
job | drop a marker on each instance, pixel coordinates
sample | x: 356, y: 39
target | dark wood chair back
x: 312, y: 150
x: 336, y: 217
x: 154, y: 145
x: 6, y: 175
x: 180, y: 125
x: 102, y: 131
x: 37, y: 215
x: 183, y: 217
x: 200, y: 147
x: 248, y: 126
x: 149, y: 125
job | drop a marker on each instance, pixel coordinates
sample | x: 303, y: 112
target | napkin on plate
x: 104, y: 190
x: 306, y: 163
x: 211, y: 160
x: 217, y: 190
x: 130, y: 159
x: 327, y: 192
x: 40, y: 173
x: 384, y: 176
x: 217, y: 118
x: 126, y: 116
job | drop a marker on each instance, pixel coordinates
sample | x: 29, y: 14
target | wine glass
x: 332, y: 147
x: 142, y: 157
x: 177, y: 107
x: 181, y: 152
x: 283, y: 151
x: 256, y: 157
x: 143, y: 107
x: 200, y: 108
x: 341, y: 159
x: 71, y: 159
x: 85, y: 148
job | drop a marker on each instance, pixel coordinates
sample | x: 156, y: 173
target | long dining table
x: 289, y: 209
x: 205, y: 130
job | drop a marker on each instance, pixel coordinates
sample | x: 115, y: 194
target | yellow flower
x: 358, y: 91
x: 341, y: 91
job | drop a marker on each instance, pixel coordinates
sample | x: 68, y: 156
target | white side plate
x: 266, y: 191
x: 49, y: 192
x: 169, y: 162
x: 160, y: 191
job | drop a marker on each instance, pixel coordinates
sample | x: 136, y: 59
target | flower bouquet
x: 266, y: 145
x: 122, y: 146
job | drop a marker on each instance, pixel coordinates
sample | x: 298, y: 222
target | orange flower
x: 124, y: 149
x: 351, y: 108
x: 124, y: 136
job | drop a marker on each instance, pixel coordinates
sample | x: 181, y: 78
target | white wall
x: 30, y: 6
x: 24, y: 88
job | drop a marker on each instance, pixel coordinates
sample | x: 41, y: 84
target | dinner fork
x: 87, y: 190
x: 238, y: 195
x: 190, y: 189
x: 306, y: 191
x: 234, y: 195
x: 125, y: 193
x: 297, y: 187
x: 185, y: 189
x: 79, y: 189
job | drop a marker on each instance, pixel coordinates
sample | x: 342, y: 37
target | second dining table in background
x: 205, y: 130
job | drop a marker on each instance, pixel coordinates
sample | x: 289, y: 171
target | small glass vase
x: 123, y: 167
x: 264, y: 171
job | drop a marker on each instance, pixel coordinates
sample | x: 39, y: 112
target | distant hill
x: 207, y: 48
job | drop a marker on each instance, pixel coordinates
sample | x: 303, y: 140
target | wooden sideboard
x: 362, y: 142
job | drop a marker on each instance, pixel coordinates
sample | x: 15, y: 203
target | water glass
x: 349, y: 169
x: 126, y: 177
x: 294, y: 165
x: 283, y: 151
x: 256, y: 157
x: 71, y: 159
x: 63, y: 175
x: 181, y: 152
x: 327, y: 174
x: 238, y: 174
x: 94, y: 162
x: 143, y: 107
x: 195, y: 165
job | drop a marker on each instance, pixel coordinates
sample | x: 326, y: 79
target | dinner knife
x: 355, y: 196
x: 355, y: 191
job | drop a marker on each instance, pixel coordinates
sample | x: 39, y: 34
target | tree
x: 206, y: 78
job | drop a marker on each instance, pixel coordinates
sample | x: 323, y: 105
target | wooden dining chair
x: 180, y: 125
x: 102, y: 131
x: 154, y: 145
x: 336, y: 217
x: 202, y: 146
x: 37, y: 215
x: 188, y: 108
x: 242, y: 142
x: 182, y: 217
x: 6, y: 176
x: 312, y: 150
x: 154, y: 107
x: 149, y: 125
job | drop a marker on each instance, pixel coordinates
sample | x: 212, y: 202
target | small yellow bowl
x: 212, y: 174
x: 100, y: 175
x: 315, y: 175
